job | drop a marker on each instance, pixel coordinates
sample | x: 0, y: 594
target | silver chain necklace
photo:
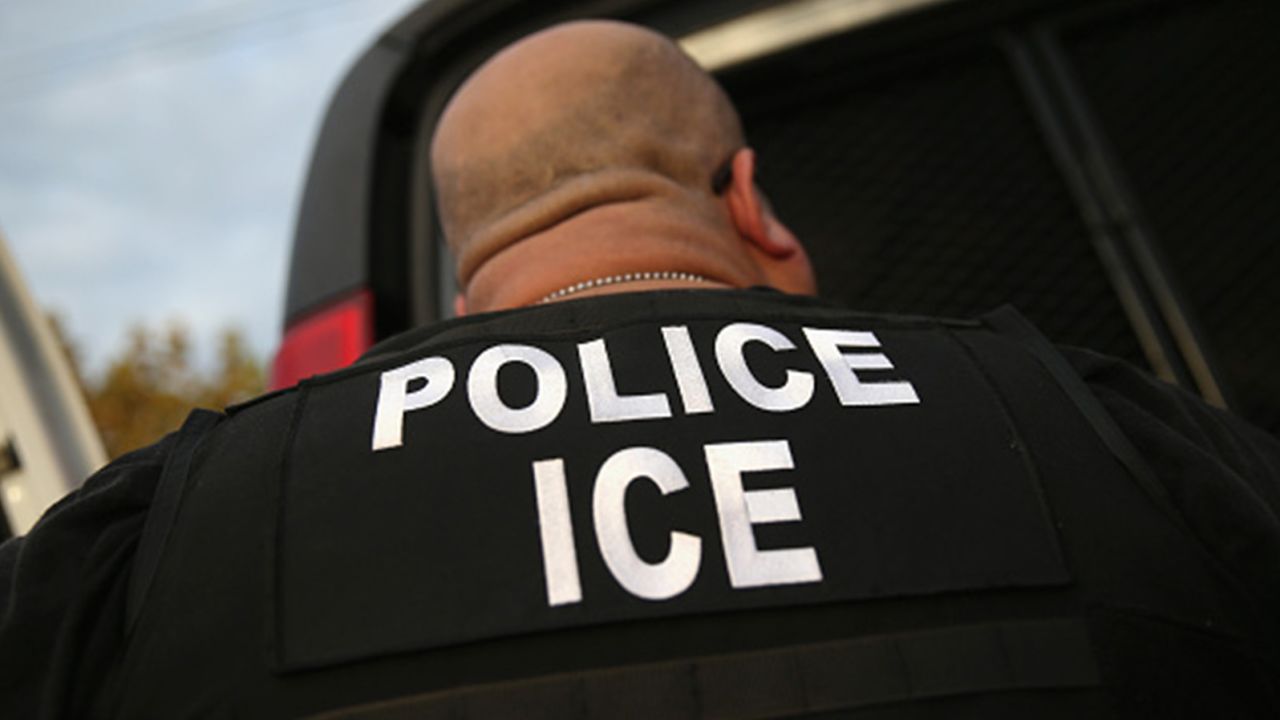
x: 624, y: 278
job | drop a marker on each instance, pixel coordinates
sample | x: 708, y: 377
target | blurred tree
x: 239, y: 375
x: 148, y: 389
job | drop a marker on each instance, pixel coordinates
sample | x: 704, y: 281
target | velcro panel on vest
x: 753, y: 483
x: 1045, y: 655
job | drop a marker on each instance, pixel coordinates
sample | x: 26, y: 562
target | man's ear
x: 751, y: 214
x: 459, y: 305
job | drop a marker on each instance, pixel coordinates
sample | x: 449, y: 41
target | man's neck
x: 612, y: 249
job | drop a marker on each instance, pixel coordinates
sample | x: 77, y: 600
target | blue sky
x: 152, y: 154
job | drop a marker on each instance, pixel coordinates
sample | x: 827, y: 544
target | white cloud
x: 162, y: 182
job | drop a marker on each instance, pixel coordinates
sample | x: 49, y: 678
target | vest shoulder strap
x: 164, y: 510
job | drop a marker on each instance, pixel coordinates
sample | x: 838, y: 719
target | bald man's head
x: 569, y: 119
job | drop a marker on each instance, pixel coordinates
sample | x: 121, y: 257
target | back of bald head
x: 573, y: 117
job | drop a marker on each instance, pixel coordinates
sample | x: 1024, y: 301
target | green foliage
x: 149, y: 388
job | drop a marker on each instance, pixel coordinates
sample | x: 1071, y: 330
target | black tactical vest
x: 691, y: 504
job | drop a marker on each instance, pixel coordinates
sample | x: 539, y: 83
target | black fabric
x: 63, y: 585
x: 1009, y: 321
x: 1050, y: 655
x: 1188, y: 584
x: 1242, y: 526
x: 462, y: 495
x: 1221, y: 474
x: 164, y: 509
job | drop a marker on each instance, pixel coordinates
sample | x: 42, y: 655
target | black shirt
x: 583, y: 505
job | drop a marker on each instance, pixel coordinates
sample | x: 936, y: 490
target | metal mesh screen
x: 928, y: 190
x: 1188, y: 96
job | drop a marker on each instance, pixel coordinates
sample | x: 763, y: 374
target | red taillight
x: 329, y: 339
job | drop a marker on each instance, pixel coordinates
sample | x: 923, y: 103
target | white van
x: 48, y: 443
